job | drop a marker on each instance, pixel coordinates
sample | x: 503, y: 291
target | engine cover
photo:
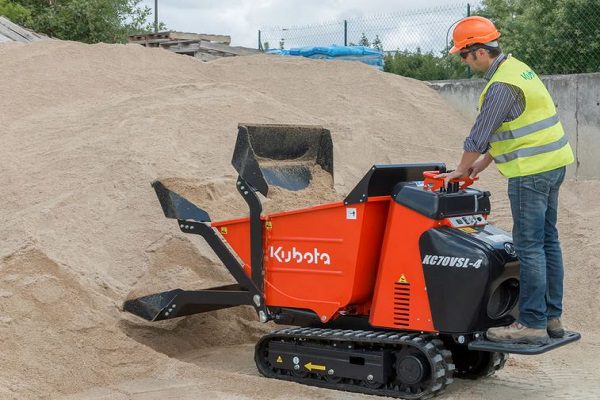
x: 471, y: 278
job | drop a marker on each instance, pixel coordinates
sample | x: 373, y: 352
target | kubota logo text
x: 298, y: 257
x: 447, y: 261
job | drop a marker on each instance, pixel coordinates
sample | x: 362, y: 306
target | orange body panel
x: 400, y: 299
x: 322, y: 258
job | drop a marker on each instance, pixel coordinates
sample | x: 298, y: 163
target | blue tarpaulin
x: 363, y: 54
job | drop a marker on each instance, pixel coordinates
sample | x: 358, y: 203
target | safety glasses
x: 464, y: 54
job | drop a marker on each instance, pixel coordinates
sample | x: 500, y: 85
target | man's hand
x: 480, y: 165
x: 467, y: 166
x: 477, y: 168
x: 451, y: 175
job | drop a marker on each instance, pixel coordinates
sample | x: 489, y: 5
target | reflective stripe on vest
x: 532, y: 151
x: 533, y: 142
x: 525, y: 130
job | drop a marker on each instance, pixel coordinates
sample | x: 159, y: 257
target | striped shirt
x: 502, y: 103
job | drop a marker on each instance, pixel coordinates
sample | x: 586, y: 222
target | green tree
x: 364, y: 41
x: 377, y: 45
x: 551, y: 36
x: 15, y: 12
x: 424, y: 66
x: 89, y: 21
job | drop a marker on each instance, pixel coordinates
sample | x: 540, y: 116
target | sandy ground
x: 86, y: 128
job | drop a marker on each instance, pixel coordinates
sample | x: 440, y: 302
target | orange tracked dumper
x: 389, y: 291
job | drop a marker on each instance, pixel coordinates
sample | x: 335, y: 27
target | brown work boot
x: 555, y: 328
x: 517, y: 333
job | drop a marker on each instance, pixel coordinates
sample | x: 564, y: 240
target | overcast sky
x: 241, y: 19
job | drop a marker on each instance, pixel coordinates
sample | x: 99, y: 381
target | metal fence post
x: 469, y: 72
x: 345, y: 33
x: 155, y: 16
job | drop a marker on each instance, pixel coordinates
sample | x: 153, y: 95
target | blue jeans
x: 534, y: 206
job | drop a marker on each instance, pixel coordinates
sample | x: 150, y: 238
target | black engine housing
x: 471, y: 276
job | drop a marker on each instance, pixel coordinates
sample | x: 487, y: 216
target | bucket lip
x: 324, y: 206
x: 218, y: 224
x: 312, y: 126
x: 176, y: 206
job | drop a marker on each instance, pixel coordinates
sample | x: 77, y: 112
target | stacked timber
x: 11, y: 32
x: 205, y: 47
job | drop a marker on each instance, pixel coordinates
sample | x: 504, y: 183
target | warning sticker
x: 351, y: 213
x: 279, y: 359
x: 311, y: 367
x: 223, y: 230
x: 402, y: 279
x: 468, y: 230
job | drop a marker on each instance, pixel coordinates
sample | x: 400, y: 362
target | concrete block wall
x: 577, y: 99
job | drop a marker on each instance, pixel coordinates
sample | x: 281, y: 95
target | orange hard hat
x: 471, y: 30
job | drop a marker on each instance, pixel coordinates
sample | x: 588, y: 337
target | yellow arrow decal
x: 310, y: 366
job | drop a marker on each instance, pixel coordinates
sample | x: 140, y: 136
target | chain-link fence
x: 559, y: 38
x: 553, y: 37
x: 428, y: 30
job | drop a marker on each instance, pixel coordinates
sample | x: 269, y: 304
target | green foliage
x: 424, y: 66
x: 89, y: 21
x: 15, y: 12
x: 551, y: 36
x: 364, y: 41
x: 418, y: 65
x: 377, y: 45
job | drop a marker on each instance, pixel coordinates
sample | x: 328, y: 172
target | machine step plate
x: 518, y: 348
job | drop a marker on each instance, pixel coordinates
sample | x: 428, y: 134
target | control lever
x: 433, y: 184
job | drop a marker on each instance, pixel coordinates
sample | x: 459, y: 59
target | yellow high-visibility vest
x: 535, y: 141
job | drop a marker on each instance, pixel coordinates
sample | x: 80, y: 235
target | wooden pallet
x: 192, y: 47
x: 155, y: 39
x: 201, y: 46
x: 9, y: 32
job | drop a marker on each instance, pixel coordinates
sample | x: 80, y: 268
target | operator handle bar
x: 433, y: 184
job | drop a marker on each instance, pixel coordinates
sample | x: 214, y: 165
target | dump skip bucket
x: 281, y: 155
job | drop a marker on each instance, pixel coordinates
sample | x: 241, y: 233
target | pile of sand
x: 86, y: 128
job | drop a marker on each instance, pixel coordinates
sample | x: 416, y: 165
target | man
x: 518, y: 128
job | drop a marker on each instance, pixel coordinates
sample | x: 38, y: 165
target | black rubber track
x: 439, y: 358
